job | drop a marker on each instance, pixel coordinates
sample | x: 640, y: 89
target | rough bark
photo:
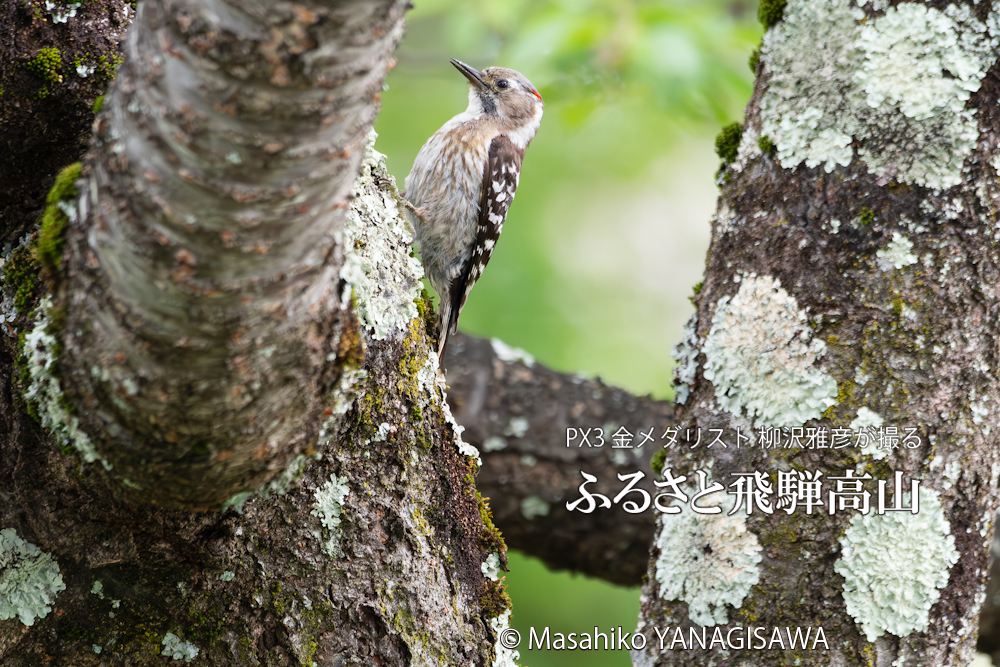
x: 369, y: 545
x: 199, y: 290
x: 851, y: 279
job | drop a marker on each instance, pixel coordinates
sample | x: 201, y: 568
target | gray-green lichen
x: 505, y: 657
x: 509, y: 354
x: 759, y: 357
x: 685, y: 354
x: 897, y: 254
x: 491, y: 568
x: 707, y: 560
x: 329, y: 507
x: 911, y: 69
x: 868, y: 418
x: 533, y: 506
x: 29, y: 579
x: 176, y: 649
x: 40, y: 348
x: 894, y: 567
x: 380, y: 273
x: 464, y: 448
x: 61, y: 14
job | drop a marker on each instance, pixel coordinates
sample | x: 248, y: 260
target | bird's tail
x: 444, y: 327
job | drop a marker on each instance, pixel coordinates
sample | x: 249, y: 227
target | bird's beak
x: 474, y: 76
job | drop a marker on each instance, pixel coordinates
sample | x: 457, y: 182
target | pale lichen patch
x: 464, y: 448
x: 29, y: 579
x: 329, y: 507
x: 837, y: 88
x: 505, y: 657
x: 869, y: 419
x: 40, y: 351
x: 491, y: 568
x: 176, y: 649
x: 380, y: 273
x: 707, y: 560
x: 533, y: 507
x: 760, y: 357
x: 509, y: 354
x: 921, y: 549
x: 897, y: 254
x: 685, y: 353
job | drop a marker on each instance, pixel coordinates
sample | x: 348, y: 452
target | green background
x: 609, y: 229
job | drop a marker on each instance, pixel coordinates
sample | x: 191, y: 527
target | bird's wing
x: 500, y: 178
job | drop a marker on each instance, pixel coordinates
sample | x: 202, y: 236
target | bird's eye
x: 502, y: 83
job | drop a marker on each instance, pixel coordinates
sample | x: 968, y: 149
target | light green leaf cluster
x: 894, y: 567
x: 911, y: 69
x: 707, y: 560
x: 176, y: 649
x: 329, y: 507
x: 29, y: 579
x: 759, y: 357
x: 686, y: 59
x: 380, y: 274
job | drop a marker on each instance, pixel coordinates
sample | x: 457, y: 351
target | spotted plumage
x: 463, y: 182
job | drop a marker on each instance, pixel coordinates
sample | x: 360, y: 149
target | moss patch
x: 866, y: 216
x: 766, y: 146
x: 657, y: 462
x: 54, y: 220
x: 727, y: 144
x: 20, y: 275
x: 770, y: 12
x: 46, y: 65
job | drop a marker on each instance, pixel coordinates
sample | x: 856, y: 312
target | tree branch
x: 202, y: 303
x: 517, y: 414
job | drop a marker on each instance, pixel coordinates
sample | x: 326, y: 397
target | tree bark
x: 850, y: 283
x: 194, y: 339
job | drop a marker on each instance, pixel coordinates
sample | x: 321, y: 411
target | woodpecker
x: 463, y: 182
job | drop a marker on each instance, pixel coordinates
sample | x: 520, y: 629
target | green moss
x: 769, y: 12
x: 47, y: 64
x: 494, y: 601
x: 490, y: 538
x: 108, y: 65
x: 697, y: 290
x: 98, y: 104
x: 657, y: 462
x: 51, y: 238
x: 20, y: 275
x: 866, y: 216
x: 754, y: 60
x: 766, y: 145
x: 425, y: 308
x: 727, y: 144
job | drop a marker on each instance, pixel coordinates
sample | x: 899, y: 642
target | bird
x: 463, y: 182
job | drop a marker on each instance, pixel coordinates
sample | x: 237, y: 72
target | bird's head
x: 502, y: 92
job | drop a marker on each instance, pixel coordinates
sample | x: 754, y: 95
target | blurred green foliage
x: 635, y: 91
x: 681, y: 58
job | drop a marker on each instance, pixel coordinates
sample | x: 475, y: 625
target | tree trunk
x: 214, y: 279
x: 851, y: 283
